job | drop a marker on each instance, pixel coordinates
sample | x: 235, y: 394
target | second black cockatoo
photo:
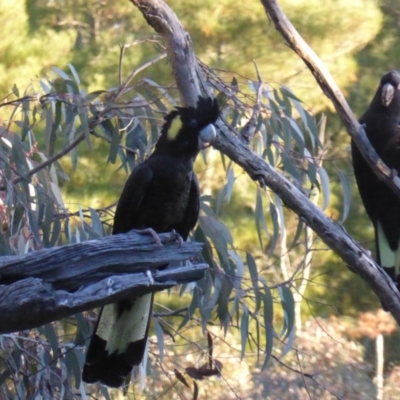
x: 162, y: 193
x: 382, y: 126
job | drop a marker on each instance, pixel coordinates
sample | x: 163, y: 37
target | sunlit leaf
x: 229, y: 184
x: 290, y: 340
x: 104, y: 392
x: 239, y: 265
x: 204, y: 206
x: 60, y: 72
x: 74, y: 73
x: 44, y: 86
x: 324, y: 178
x: 346, y: 190
x: 160, y: 339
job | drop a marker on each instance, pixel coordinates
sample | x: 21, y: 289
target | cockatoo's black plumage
x: 382, y: 126
x: 162, y: 193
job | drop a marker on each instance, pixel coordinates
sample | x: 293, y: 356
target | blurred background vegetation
x: 357, y: 40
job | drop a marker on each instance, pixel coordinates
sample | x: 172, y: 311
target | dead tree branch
x: 51, y: 284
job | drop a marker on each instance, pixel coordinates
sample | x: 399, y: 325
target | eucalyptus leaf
x: 268, y: 324
x: 244, y: 331
x: 261, y: 225
x: 160, y: 339
x: 346, y: 191
x: 114, y: 146
x: 74, y: 73
x: 324, y: 178
x: 287, y: 301
x: 60, y: 72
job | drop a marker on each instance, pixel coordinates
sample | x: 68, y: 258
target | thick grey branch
x: 332, y: 234
x: 50, y: 284
x: 72, y: 266
x: 32, y: 302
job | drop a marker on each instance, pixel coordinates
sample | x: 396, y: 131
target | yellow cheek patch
x: 175, y: 127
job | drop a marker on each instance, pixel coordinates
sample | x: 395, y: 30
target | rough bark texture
x: 178, y: 45
x: 50, y: 284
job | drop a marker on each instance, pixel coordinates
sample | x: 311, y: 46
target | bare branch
x: 135, y: 72
x: 50, y: 284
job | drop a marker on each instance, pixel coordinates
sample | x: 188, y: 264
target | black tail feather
x: 112, y: 369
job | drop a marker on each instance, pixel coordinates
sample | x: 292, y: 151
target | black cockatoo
x: 382, y: 126
x: 162, y: 193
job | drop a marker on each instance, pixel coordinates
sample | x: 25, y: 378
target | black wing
x: 192, y: 209
x: 119, y: 338
x: 127, y: 214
